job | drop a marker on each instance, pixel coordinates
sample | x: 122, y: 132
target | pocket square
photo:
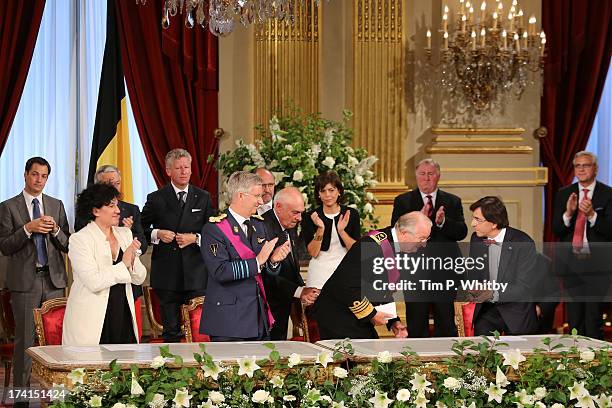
x: 196, y: 210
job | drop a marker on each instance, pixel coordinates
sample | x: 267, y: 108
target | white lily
x: 247, y: 366
x: 158, y: 362
x: 182, y: 397
x: 495, y: 393
x: 380, y: 400
x: 501, y: 379
x: 136, y: 389
x: 513, y: 358
x: 324, y: 358
x: 95, y: 401
x: 212, y: 372
x: 577, y: 390
x: 77, y: 376
x: 294, y: 359
x: 419, y: 382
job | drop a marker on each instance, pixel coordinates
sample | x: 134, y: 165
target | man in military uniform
x: 236, y: 253
x: 341, y: 310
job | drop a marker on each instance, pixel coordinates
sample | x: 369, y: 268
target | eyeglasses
x: 268, y: 185
x: 258, y: 197
x: 583, y: 166
x: 479, y: 220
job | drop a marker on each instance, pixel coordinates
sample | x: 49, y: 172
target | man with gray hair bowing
x: 345, y: 306
x: 236, y: 252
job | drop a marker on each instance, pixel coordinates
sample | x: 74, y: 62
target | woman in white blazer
x: 105, y: 263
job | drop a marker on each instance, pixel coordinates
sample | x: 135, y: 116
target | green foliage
x: 299, y: 148
x: 482, y: 373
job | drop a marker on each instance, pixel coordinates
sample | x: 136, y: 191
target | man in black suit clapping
x: 446, y: 213
x: 173, y: 218
x: 281, y: 222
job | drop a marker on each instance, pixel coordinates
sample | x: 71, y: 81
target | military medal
x: 235, y: 229
x: 213, y: 249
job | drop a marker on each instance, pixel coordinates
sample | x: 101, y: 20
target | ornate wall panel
x: 378, y: 85
x: 286, y: 63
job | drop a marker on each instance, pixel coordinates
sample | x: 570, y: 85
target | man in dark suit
x: 34, y: 236
x: 172, y: 218
x: 236, y: 251
x: 583, y: 217
x: 509, y: 257
x: 281, y: 222
x: 446, y: 213
x: 344, y: 307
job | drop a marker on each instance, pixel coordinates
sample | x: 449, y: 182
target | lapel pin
x: 235, y: 229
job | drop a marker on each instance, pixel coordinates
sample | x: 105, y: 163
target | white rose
x: 359, y: 180
x: 329, y: 162
x: 158, y: 362
x: 557, y: 405
x: 260, y: 396
x: 119, y: 405
x: 158, y: 401
x: 540, y: 393
x: 367, y: 208
x: 289, y: 147
x: 352, y: 161
x: 294, y: 359
x: 216, y: 397
x: 587, y: 355
x: 403, y: 395
x: 340, y: 372
x: 369, y: 196
x: 452, y: 383
x: 384, y: 357
x: 298, y: 175
x: 289, y: 398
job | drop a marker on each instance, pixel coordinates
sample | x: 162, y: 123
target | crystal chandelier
x: 486, y: 57
x: 221, y: 15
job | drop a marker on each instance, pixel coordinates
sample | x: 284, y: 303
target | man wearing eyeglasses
x: 509, y: 258
x: 237, y: 254
x: 446, y: 213
x: 267, y: 183
x: 583, y: 217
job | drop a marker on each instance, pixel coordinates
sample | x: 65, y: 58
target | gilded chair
x: 153, y: 311
x: 191, y: 314
x: 49, y: 321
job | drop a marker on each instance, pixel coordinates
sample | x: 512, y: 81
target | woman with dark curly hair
x: 105, y: 263
x: 328, y: 231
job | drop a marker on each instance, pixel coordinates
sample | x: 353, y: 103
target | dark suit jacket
x: 341, y: 307
x: 442, y: 242
x: 454, y: 228
x: 280, y: 288
x: 21, y: 251
x: 517, y: 268
x: 602, y: 204
x: 173, y: 268
x: 353, y: 228
x: 232, y: 305
x: 127, y: 210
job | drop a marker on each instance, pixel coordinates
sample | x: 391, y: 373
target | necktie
x: 429, y: 205
x: 580, y: 226
x: 39, y: 239
x: 249, y: 229
x: 290, y: 246
x: 489, y: 242
x: 181, y: 198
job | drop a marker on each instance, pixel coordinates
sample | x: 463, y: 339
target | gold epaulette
x: 257, y: 216
x: 217, y: 218
x: 378, y: 238
x: 362, y: 309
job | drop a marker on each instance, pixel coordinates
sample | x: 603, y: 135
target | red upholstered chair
x: 7, y: 344
x: 138, y: 312
x: 49, y: 321
x: 299, y: 321
x: 153, y: 311
x: 191, y: 314
x: 464, y: 312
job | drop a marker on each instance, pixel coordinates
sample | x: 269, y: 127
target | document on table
x: 388, y: 308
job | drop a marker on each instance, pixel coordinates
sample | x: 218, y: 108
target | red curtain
x: 579, y: 45
x: 172, y: 80
x: 19, y: 24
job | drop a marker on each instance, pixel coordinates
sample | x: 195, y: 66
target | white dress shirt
x: 592, y: 219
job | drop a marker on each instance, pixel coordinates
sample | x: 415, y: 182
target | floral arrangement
x: 478, y: 375
x: 299, y: 148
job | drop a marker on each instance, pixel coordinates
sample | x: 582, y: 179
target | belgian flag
x: 111, y: 143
